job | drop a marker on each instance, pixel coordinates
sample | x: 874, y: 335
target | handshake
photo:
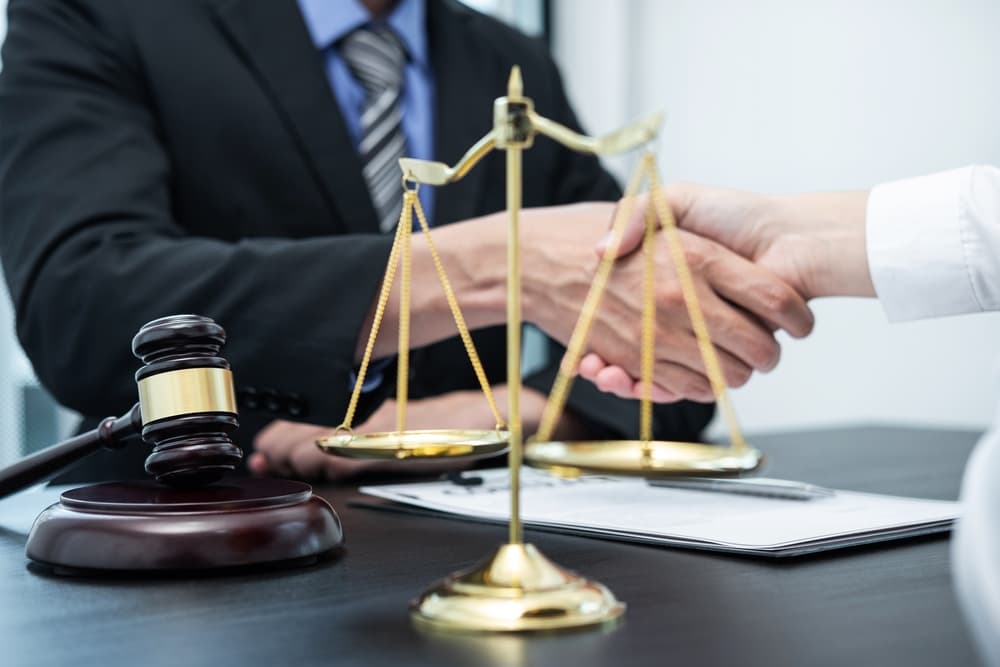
x: 756, y: 261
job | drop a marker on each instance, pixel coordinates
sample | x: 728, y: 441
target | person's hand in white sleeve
x: 926, y: 247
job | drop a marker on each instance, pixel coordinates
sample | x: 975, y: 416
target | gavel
x: 186, y: 411
x: 191, y: 519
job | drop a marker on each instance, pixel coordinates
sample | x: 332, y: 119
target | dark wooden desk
x: 885, y: 605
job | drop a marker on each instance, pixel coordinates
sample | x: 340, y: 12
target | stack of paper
x: 629, y: 509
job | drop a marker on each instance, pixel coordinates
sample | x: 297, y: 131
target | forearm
x: 556, y: 253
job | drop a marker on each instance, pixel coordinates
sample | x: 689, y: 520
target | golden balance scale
x: 517, y: 588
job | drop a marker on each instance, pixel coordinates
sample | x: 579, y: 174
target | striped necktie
x: 376, y: 59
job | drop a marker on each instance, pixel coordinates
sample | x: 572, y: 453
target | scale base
x: 147, y: 527
x: 516, y: 590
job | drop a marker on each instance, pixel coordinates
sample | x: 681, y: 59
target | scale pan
x: 423, y: 444
x: 627, y: 457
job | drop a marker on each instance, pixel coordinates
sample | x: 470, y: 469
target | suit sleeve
x: 579, y: 177
x: 91, y: 249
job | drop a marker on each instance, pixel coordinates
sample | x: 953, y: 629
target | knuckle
x: 697, y: 253
x: 670, y: 298
x: 779, y: 299
x: 765, y: 353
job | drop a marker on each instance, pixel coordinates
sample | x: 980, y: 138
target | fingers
x: 672, y: 381
x: 279, y: 450
x: 271, y: 446
x: 760, y: 292
x: 591, y: 365
x: 615, y: 380
x: 307, y: 461
x: 303, y: 460
x: 679, y: 381
x: 742, y: 343
x: 257, y: 464
x: 659, y: 394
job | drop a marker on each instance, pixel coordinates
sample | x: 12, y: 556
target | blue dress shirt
x: 329, y: 21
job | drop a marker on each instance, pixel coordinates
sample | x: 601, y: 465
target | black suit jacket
x: 189, y: 156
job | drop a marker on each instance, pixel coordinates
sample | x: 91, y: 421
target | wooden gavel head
x: 186, y: 400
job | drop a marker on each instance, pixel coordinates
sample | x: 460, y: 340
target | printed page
x: 630, y: 506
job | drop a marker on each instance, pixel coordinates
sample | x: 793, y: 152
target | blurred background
x: 777, y: 96
x: 788, y: 96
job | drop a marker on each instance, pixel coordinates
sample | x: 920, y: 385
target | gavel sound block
x: 190, y: 518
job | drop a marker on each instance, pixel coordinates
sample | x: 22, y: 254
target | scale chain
x: 574, y: 350
x: 712, y: 367
x: 648, y: 326
x: 400, y: 254
x: 383, y: 299
x: 456, y: 312
x: 403, y: 350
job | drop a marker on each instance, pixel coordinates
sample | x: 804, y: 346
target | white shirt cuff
x: 934, y: 243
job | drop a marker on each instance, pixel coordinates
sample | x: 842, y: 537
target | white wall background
x: 787, y: 96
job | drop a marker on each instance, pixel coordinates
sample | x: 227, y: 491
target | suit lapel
x: 463, y: 106
x: 272, y: 39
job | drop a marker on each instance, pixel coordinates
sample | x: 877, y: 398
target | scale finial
x: 515, y: 85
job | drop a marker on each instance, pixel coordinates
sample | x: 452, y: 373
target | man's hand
x: 814, y: 243
x: 743, y: 303
x: 288, y: 449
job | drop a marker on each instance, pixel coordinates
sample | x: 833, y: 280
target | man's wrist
x: 826, y: 233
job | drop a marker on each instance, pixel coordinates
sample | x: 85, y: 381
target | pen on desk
x: 760, y: 486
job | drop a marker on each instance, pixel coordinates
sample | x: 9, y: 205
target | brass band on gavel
x: 186, y: 391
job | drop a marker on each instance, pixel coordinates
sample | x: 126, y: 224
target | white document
x: 626, y: 508
x: 18, y: 511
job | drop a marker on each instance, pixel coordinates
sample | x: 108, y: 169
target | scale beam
x: 628, y: 138
x: 438, y: 173
x: 517, y: 122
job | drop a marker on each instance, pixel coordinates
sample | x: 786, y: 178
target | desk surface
x: 888, y: 604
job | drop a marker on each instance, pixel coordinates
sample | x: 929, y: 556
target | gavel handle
x: 112, y: 432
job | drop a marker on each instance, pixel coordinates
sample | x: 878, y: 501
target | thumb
x: 635, y: 226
